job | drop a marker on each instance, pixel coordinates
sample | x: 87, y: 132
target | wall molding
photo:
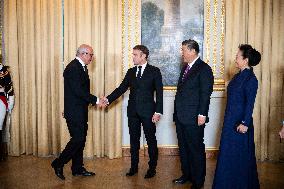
x: 168, y: 150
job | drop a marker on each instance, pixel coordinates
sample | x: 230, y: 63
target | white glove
x: 11, y: 100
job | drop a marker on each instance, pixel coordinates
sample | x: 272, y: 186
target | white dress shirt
x: 142, y: 69
x: 192, y: 63
x: 81, y: 61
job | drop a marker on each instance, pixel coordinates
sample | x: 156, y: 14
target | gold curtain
x: 32, y: 43
x: 261, y: 24
x: 98, y: 23
x: 34, y: 51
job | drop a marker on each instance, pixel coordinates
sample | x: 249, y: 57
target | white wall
x: 213, y: 54
x: 166, y: 133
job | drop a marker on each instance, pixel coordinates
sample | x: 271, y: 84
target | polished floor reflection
x: 30, y: 172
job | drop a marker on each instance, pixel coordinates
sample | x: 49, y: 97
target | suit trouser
x: 75, y: 147
x: 1, y: 147
x: 149, y: 128
x: 192, y: 152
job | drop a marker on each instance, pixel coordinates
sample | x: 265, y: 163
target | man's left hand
x: 201, y: 120
x: 156, y: 118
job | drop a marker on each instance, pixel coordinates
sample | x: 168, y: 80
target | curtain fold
x: 260, y: 23
x: 38, y: 49
x: 98, y: 23
x: 32, y: 39
x: 35, y: 50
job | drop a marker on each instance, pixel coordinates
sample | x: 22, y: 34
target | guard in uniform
x: 6, y: 105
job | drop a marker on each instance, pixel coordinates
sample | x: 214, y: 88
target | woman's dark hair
x: 251, y: 54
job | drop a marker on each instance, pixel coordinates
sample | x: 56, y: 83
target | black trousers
x: 1, y: 147
x: 192, y: 152
x: 75, y: 147
x: 149, y: 128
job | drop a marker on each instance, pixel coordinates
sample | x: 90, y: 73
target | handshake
x: 103, y: 102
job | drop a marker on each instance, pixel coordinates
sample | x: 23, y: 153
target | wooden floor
x: 30, y: 172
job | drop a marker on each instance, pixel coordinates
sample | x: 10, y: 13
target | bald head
x: 85, y: 53
x: 82, y: 49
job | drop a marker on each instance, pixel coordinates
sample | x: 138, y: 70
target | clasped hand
x: 103, y: 102
x: 242, y: 128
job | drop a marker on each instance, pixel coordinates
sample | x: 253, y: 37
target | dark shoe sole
x: 58, y: 175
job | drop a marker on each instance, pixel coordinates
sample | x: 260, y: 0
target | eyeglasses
x: 91, y: 55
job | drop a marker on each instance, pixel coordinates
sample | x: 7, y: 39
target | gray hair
x: 81, y: 50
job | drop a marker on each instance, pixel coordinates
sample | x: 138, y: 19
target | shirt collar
x: 193, y: 62
x: 81, y: 61
x: 143, y: 65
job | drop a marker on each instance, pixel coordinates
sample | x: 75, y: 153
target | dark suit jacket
x: 141, y: 97
x: 193, y: 94
x: 77, y: 95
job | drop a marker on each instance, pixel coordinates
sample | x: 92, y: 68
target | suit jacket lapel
x: 133, y: 74
x: 144, y: 75
x: 80, y: 67
x: 146, y: 71
x: 180, y: 76
x: 195, y: 68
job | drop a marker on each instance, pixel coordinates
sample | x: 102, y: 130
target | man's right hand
x: 103, y: 102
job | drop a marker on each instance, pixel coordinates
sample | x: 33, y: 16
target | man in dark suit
x: 77, y: 98
x: 143, y: 80
x: 191, y: 106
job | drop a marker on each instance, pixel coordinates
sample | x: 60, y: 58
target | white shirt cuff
x: 98, y: 101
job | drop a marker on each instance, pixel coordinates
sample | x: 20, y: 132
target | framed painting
x: 164, y: 25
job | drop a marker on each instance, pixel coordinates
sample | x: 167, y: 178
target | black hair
x: 251, y: 54
x: 191, y: 44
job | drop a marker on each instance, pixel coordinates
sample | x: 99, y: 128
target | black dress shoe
x: 150, y: 173
x: 84, y: 173
x: 58, y: 171
x: 131, y: 172
x: 180, y: 180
